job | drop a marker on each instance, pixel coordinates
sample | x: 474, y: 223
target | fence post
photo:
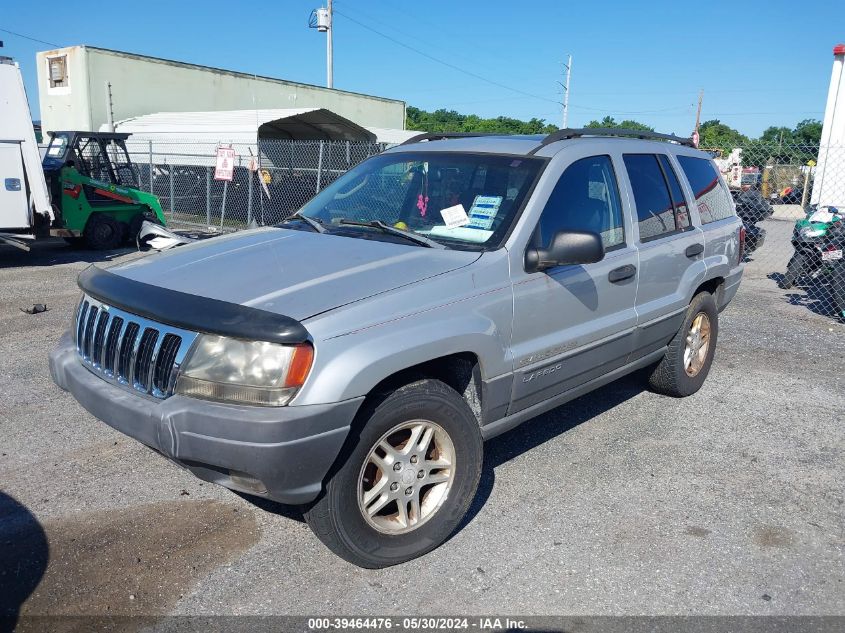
x: 348, y: 155
x: 208, y: 196
x: 807, y: 191
x: 172, y: 194
x: 150, y: 143
x: 320, y: 168
x: 223, y: 204
x: 249, y: 199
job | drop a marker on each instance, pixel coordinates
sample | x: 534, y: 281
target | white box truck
x: 24, y: 200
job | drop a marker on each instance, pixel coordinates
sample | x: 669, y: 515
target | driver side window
x: 586, y: 198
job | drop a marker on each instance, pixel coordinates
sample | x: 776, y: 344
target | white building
x: 72, y: 86
x: 829, y: 183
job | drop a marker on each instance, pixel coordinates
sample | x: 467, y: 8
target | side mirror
x: 566, y: 248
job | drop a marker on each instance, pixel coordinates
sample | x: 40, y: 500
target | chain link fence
x: 791, y: 199
x: 284, y: 175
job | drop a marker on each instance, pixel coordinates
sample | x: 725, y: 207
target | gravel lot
x: 622, y: 502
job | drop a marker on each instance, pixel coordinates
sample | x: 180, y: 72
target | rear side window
x: 585, y: 198
x: 655, y: 211
x: 710, y: 196
x: 678, y: 201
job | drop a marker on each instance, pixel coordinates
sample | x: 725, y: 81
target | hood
x: 295, y: 273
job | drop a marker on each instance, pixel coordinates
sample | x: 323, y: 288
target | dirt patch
x: 772, y: 536
x: 136, y: 561
x: 694, y: 530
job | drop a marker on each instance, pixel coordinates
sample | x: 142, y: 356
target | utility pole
x: 698, y: 114
x: 329, y: 52
x: 566, y: 93
x: 323, y: 20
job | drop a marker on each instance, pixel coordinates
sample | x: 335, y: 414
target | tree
x: 776, y: 134
x: 627, y: 124
x: 714, y: 134
x: 808, y: 132
x: 451, y: 121
x: 785, y: 146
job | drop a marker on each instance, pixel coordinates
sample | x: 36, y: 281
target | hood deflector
x: 191, y: 312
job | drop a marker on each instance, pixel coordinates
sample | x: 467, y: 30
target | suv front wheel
x: 689, y: 355
x: 406, y: 483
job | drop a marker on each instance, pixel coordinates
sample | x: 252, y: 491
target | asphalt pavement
x: 621, y: 502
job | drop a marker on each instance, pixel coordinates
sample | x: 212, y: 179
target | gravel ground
x: 621, y: 502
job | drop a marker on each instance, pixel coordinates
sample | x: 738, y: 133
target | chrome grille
x: 130, y: 350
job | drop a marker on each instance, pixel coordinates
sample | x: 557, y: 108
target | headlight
x: 810, y: 232
x: 248, y: 372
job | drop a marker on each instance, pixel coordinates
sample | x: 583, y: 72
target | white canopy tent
x: 189, y: 138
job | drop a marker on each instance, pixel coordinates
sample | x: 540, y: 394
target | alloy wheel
x: 406, y: 477
x: 697, y: 344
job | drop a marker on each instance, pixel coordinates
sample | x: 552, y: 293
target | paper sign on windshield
x: 455, y: 216
x: 483, y: 211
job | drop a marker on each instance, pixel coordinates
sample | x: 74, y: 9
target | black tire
x: 794, y: 270
x: 103, y: 232
x: 134, y: 228
x: 670, y: 376
x: 336, y: 517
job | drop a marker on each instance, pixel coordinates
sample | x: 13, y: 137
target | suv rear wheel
x: 407, y: 481
x: 687, y: 362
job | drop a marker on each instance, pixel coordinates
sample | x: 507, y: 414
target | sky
x: 759, y: 64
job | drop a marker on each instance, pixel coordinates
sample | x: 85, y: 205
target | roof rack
x: 567, y: 133
x: 442, y: 136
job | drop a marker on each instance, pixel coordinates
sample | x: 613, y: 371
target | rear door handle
x: 620, y: 274
x: 694, y: 250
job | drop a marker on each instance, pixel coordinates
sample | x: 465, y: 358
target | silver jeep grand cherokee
x: 354, y: 358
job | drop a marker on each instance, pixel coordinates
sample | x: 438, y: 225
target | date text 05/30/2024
x: 415, y: 623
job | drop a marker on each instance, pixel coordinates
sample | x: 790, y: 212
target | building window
x: 57, y: 71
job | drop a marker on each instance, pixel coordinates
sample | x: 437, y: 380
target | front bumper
x: 282, y: 453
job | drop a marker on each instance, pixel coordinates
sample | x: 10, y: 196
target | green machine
x: 95, y: 190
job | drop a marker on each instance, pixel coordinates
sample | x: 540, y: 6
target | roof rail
x: 564, y: 134
x: 442, y: 136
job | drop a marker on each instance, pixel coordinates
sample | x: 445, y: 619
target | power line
x: 475, y: 101
x: 427, y: 42
x: 612, y: 111
x: 32, y: 39
x: 443, y: 62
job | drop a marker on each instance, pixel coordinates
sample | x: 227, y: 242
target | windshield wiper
x: 386, y: 228
x: 309, y: 221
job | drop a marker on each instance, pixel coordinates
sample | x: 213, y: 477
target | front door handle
x: 694, y: 250
x: 620, y: 274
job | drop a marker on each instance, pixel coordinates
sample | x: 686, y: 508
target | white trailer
x: 829, y: 183
x: 24, y: 199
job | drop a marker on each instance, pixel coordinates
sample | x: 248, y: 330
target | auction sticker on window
x: 483, y: 211
x: 455, y: 216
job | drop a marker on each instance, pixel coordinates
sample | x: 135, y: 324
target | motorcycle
x: 752, y: 208
x: 817, y: 240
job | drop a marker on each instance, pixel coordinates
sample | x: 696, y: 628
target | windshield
x: 457, y: 199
